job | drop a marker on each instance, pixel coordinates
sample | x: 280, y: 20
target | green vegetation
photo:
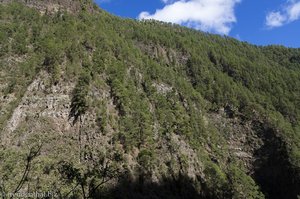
x: 79, y: 100
x: 163, y: 81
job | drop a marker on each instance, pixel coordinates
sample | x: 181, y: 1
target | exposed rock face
x: 36, y: 103
x: 242, y: 139
x: 46, y: 6
x: 162, y: 53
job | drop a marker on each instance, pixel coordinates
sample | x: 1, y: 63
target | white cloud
x: 207, y: 15
x: 289, y: 13
x: 275, y: 19
x: 294, y: 11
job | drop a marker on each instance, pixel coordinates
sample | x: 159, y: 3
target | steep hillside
x: 94, y: 106
x: 52, y: 6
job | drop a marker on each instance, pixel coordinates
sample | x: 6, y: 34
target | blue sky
x: 261, y: 22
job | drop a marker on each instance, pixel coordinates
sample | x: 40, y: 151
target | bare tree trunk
x: 32, y: 154
x: 79, y: 138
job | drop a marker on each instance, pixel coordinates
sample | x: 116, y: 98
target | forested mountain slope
x: 95, y: 106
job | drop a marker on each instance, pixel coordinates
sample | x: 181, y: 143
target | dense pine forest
x: 96, y: 106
